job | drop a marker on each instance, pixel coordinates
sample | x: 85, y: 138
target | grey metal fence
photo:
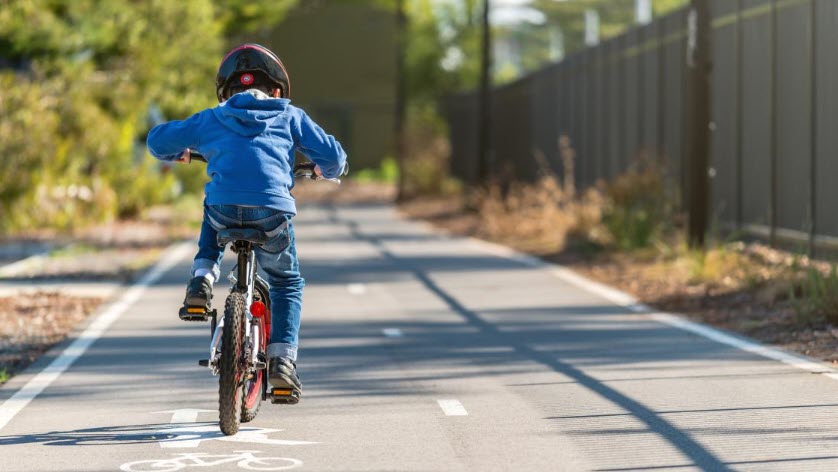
x: 774, y: 154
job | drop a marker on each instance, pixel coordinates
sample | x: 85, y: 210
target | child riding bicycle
x: 249, y: 141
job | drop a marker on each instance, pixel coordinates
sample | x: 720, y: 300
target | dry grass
x: 539, y: 217
x: 631, y: 212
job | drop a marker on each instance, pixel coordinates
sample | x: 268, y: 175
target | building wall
x: 341, y: 59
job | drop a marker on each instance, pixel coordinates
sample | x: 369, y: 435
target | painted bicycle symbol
x: 244, y: 459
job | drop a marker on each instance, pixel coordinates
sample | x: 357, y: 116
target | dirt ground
x: 30, y: 325
x: 117, y: 252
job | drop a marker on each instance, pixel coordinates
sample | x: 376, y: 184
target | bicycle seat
x: 252, y: 235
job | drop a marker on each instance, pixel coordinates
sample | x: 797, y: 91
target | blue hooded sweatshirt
x: 249, y: 143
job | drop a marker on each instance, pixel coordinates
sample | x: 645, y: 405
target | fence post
x: 740, y: 114
x: 401, y: 95
x: 623, y: 158
x: 484, y: 148
x: 774, y: 128
x: 641, y: 89
x: 698, y: 116
x: 662, y: 94
x: 813, y: 176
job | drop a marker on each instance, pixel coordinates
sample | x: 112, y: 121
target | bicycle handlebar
x: 304, y: 170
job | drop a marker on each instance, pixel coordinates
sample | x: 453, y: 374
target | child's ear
x: 277, y: 93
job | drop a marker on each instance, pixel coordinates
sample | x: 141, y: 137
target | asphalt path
x: 422, y: 352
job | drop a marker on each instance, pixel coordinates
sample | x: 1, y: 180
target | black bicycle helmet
x: 238, y: 66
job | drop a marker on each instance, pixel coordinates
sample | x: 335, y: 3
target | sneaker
x: 198, y: 292
x: 282, y: 373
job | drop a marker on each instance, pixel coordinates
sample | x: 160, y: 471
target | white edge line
x: 356, y: 289
x: 452, y: 407
x: 10, y: 270
x: 12, y: 406
x: 627, y: 301
x: 392, y: 332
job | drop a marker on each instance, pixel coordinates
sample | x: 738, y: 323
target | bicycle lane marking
x: 244, y: 459
x: 17, y: 402
x: 187, y: 432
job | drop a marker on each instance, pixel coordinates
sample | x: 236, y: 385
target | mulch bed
x: 31, y: 324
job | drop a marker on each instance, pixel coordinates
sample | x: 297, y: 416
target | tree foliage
x: 444, y: 38
x: 77, y: 81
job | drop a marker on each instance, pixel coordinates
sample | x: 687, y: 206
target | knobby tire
x: 253, y: 389
x: 230, y: 380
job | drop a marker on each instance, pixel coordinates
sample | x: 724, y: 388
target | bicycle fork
x: 243, y: 278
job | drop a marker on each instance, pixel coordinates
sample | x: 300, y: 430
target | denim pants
x: 277, y: 258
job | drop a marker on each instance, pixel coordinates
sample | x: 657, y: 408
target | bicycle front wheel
x: 231, y: 365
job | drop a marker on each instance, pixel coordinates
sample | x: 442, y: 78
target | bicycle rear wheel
x: 256, y: 386
x: 231, y: 368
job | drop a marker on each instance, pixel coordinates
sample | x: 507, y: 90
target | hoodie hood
x: 250, y: 113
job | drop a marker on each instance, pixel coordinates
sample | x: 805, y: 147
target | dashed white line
x: 356, y: 289
x: 392, y: 332
x: 68, y: 356
x: 452, y: 407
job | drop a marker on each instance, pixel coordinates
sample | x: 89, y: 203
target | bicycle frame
x: 243, y: 276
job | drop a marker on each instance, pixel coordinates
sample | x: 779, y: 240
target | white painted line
x: 188, y: 436
x: 182, y: 417
x: 185, y: 415
x: 356, y: 289
x: 794, y: 360
x: 14, y: 269
x: 629, y: 302
x: 11, y: 407
x: 392, y: 332
x: 452, y: 408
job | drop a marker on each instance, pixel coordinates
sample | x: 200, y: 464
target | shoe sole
x: 292, y: 394
x: 197, y: 302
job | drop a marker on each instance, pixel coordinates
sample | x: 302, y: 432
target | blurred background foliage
x: 77, y: 81
x: 82, y: 81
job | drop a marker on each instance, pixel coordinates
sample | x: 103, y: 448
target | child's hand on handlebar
x: 185, y: 157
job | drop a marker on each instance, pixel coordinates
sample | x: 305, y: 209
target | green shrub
x: 387, y: 172
x: 637, y: 211
x: 73, y: 109
x: 816, y: 295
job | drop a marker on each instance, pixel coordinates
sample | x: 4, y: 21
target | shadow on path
x: 700, y: 456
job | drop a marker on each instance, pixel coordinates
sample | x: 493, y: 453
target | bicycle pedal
x: 285, y: 396
x: 203, y: 362
x: 194, y: 313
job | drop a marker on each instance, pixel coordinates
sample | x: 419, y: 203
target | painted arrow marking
x: 185, y: 432
x: 184, y: 415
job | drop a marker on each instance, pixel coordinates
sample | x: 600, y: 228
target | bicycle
x: 243, y: 459
x: 239, y: 338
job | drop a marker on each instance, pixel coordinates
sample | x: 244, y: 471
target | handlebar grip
x: 305, y: 170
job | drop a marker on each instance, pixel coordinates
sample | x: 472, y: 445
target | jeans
x: 278, y: 258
